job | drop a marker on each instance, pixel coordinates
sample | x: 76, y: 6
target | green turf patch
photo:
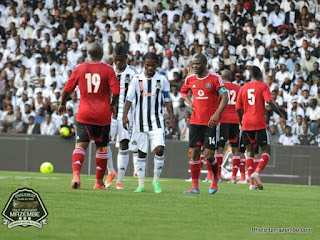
x: 122, y: 214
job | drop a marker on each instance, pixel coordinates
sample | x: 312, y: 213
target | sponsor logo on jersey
x: 201, y: 95
x: 144, y: 94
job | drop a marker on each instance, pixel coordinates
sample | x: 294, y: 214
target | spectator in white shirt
x: 313, y: 115
x: 288, y: 139
x: 48, y: 127
x: 276, y: 17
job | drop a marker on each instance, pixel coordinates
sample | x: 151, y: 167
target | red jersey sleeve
x: 218, y: 82
x: 114, y: 82
x: 267, y: 94
x: 184, y: 89
x: 72, y: 81
x: 239, y: 104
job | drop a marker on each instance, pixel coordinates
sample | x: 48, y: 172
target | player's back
x: 95, y: 81
x: 229, y: 114
x: 252, y: 97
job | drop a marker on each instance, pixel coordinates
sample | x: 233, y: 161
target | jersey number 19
x: 93, y: 79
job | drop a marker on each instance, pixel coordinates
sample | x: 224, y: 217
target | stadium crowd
x: 42, y: 41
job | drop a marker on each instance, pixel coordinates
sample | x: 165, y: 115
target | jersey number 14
x: 93, y: 79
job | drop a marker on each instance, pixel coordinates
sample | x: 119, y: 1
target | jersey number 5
x: 232, y: 97
x: 93, y: 79
x: 251, y: 96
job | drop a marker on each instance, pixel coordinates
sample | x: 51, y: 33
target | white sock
x: 134, y: 157
x: 158, y: 166
x: 122, y: 160
x: 141, y: 170
x: 110, y: 160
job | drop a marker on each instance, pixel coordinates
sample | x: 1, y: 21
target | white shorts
x: 113, y: 129
x: 141, y: 140
x: 122, y: 132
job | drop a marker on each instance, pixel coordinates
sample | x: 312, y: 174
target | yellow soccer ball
x: 65, y: 131
x: 46, y: 167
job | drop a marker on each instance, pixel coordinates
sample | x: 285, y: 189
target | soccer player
x: 124, y: 74
x: 228, y: 128
x: 96, y: 81
x: 149, y: 89
x: 206, y: 88
x: 250, y: 108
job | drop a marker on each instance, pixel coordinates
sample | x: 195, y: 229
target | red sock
x: 209, y: 176
x: 201, y: 161
x: 243, y: 169
x: 263, y: 162
x: 255, y: 163
x: 214, y: 171
x: 101, y: 166
x: 195, y: 173
x: 235, y: 165
x: 77, y: 160
x: 250, y: 169
x: 219, y: 158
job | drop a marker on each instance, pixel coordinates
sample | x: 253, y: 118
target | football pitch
x: 122, y: 214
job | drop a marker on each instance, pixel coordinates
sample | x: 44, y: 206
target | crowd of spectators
x: 42, y: 41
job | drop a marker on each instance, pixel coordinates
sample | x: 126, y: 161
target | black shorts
x: 257, y: 138
x: 201, y: 135
x: 228, y: 132
x: 87, y: 132
x: 242, y: 148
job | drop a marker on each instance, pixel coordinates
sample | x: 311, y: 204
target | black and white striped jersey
x: 124, y: 78
x: 150, y: 94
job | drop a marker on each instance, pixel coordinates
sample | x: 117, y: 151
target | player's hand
x: 214, y: 120
x: 61, y: 109
x: 172, y: 126
x: 125, y: 122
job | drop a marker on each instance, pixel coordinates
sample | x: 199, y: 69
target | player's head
x: 120, y: 57
x: 95, y: 51
x: 199, y: 64
x: 226, y: 75
x: 256, y: 73
x: 150, y: 63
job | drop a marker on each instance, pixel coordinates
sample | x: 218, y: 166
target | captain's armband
x: 222, y: 90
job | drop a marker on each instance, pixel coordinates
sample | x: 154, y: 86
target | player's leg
x: 210, y: 147
x: 250, y: 164
x: 133, y: 148
x: 83, y: 139
x: 142, y: 145
x: 134, y: 159
x: 242, y: 166
x: 222, y: 137
x: 196, y: 137
x: 122, y: 161
x: 101, y: 134
x: 235, y: 144
x: 256, y: 158
x: 157, y: 144
x: 111, y: 171
x: 264, y: 142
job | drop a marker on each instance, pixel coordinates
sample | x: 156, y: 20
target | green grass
x: 115, y: 214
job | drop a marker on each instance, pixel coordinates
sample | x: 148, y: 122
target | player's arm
x: 168, y: 104
x: 275, y: 108
x: 114, y: 104
x: 240, y: 114
x: 222, y: 105
x: 68, y: 88
x: 239, y: 106
x: 130, y: 97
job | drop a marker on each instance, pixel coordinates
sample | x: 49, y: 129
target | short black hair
x: 119, y: 51
x: 202, y: 58
x: 151, y: 55
x: 256, y: 72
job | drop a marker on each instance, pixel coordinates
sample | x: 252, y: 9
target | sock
x: 219, y: 158
x: 77, y: 160
x: 141, y: 170
x: 243, y: 169
x: 122, y: 161
x: 255, y: 163
x: 110, y: 162
x: 134, y: 157
x: 263, y: 162
x: 209, y: 175
x: 195, y: 173
x: 214, y: 169
x: 250, y: 169
x: 201, y: 161
x: 158, y: 166
x: 235, y: 165
x: 101, y: 166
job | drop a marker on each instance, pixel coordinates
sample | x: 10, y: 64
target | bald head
x: 95, y: 51
x: 226, y: 75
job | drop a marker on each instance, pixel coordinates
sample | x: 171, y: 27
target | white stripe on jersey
x: 125, y: 78
x: 150, y: 95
